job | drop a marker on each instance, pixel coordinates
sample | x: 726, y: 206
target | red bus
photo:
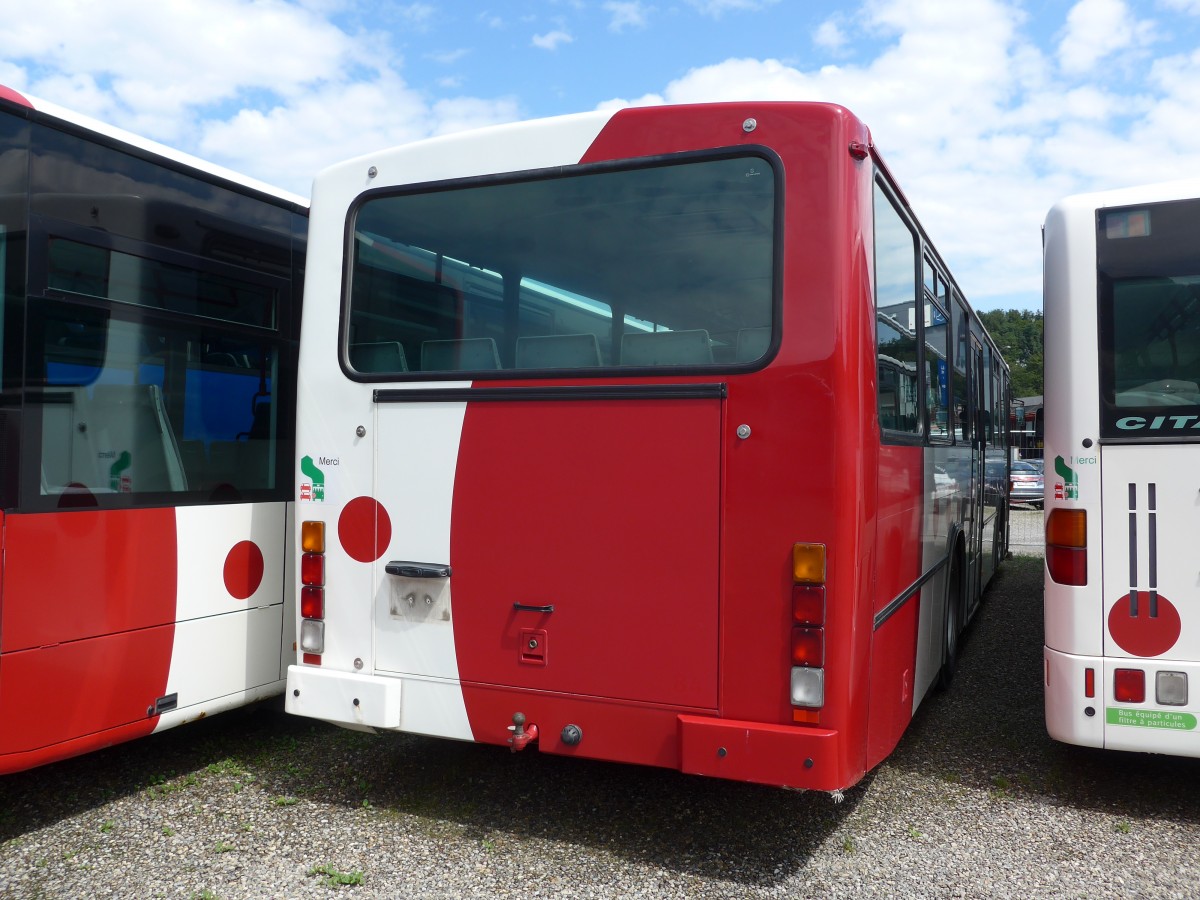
x: 147, y: 348
x: 656, y: 436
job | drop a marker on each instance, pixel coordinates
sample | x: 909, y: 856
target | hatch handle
x: 406, y: 569
x: 526, y: 607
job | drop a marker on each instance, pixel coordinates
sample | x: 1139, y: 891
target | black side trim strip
x: 698, y: 391
x: 908, y: 593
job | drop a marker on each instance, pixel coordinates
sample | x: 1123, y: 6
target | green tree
x: 1018, y: 334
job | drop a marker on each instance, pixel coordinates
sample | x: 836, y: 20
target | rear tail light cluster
x: 312, y: 591
x: 1170, y: 688
x: 808, y: 631
x: 1066, y: 546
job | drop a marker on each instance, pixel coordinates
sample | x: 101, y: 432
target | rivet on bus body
x: 749, y: 125
x: 808, y: 763
x: 358, y: 662
x: 356, y: 701
x: 722, y: 752
x: 361, y: 431
x: 1087, y: 442
x: 428, y: 600
x: 296, y: 692
x: 372, y: 172
x: 412, y: 599
x: 1089, y: 711
x: 743, y: 431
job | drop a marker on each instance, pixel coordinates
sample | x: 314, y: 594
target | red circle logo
x: 364, y: 529
x: 244, y: 568
x: 1142, y: 634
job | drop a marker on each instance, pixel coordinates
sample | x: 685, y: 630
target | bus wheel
x: 951, y: 621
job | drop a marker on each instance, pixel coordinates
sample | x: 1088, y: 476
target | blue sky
x: 988, y: 111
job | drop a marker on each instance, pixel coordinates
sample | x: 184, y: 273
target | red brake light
x: 1067, y: 565
x: 808, y: 604
x: 312, y: 602
x: 808, y: 647
x: 1129, y: 686
x: 312, y: 568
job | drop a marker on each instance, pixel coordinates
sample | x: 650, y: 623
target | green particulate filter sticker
x: 1151, y: 718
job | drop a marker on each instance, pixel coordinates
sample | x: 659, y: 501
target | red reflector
x: 1129, y: 686
x: 808, y: 646
x: 1067, y: 565
x: 1089, y: 682
x: 312, y: 659
x: 312, y: 568
x: 808, y: 604
x: 312, y: 602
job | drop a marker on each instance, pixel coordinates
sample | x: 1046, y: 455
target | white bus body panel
x: 419, y: 657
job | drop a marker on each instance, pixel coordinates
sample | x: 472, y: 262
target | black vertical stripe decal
x: 1133, y: 594
x: 1153, y: 551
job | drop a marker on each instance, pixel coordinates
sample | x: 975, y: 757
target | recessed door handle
x: 406, y: 569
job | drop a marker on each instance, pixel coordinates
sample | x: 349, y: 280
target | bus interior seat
x: 378, y: 356
x: 467, y: 354
x: 557, y: 351
x: 666, y: 348
x: 752, y: 343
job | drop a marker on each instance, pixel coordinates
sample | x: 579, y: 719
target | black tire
x: 951, y: 621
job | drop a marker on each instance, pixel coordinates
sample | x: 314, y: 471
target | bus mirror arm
x: 405, y: 569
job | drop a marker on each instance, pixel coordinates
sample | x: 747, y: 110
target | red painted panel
x: 51, y: 696
x: 893, y: 666
x: 70, y: 576
x: 789, y: 756
x: 7, y: 93
x: 607, y: 510
x: 611, y: 730
x: 901, y: 499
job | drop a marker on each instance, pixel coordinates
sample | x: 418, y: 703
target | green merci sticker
x: 1151, y: 718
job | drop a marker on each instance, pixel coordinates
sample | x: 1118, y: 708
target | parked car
x: 1025, y: 482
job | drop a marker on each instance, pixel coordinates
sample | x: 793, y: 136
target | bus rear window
x: 1150, y: 325
x: 662, y: 266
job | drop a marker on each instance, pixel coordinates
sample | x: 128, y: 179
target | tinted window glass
x: 896, y: 319
x: 659, y: 266
x: 1149, y: 279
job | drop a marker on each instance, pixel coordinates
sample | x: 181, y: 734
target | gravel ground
x: 975, y: 802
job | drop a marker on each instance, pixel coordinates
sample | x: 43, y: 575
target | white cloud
x: 1096, y: 29
x: 626, y: 14
x: 1188, y: 6
x: 829, y: 35
x: 717, y: 8
x: 418, y: 15
x: 449, y: 57
x: 551, y: 40
x: 265, y: 87
x: 979, y: 126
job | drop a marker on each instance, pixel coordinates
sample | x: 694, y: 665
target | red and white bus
x: 1122, y: 307
x: 147, y: 344
x: 655, y: 436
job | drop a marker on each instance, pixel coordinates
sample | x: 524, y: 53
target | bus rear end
x: 563, y: 482
x: 1122, y: 309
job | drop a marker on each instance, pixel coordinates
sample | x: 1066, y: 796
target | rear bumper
x: 615, y: 731
x: 1100, y: 721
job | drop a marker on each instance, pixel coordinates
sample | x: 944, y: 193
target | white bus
x: 1122, y: 307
